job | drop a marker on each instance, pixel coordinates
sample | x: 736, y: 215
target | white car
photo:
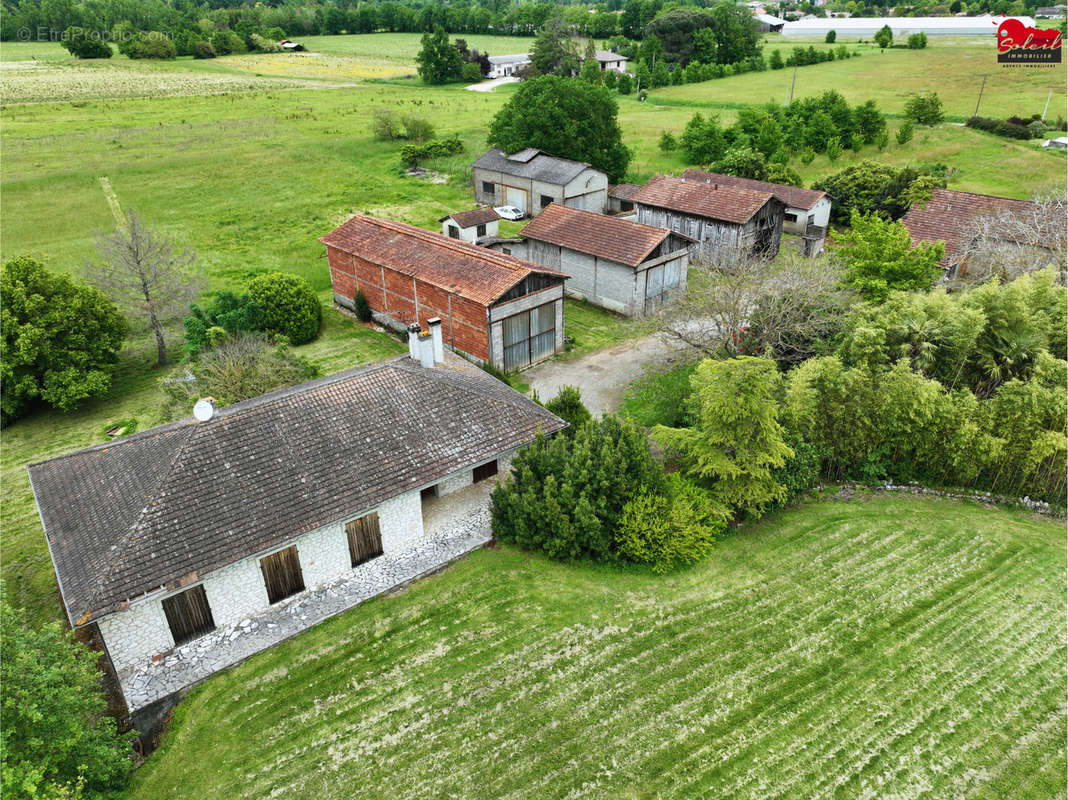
x: 509, y: 212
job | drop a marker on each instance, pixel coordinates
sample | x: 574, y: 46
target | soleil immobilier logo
x: 1022, y: 44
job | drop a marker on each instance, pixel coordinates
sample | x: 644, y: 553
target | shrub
x: 416, y: 128
x: 471, y: 71
x: 1037, y: 128
x: 387, y: 124
x: 57, y: 740
x: 882, y: 140
x: 289, y: 305
x: 265, y: 45
x: 152, y: 44
x: 361, y: 307
x: 834, y: 149
x: 625, y: 84
x: 61, y: 339
x: 776, y: 62
x: 917, y: 41
x: 669, y: 530
x: 668, y: 142
x: 998, y: 127
x: 226, y: 41
x: 830, y: 37
x: 412, y: 154
x: 227, y: 313
x: 83, y: 44
x: 611, y: 79
x: 904, y: 133
x: 884, y: 37
x: 925, y: 108
x: 203, y: 49
x: 569, y: 407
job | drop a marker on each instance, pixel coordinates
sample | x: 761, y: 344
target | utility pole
x: 1044, y: 110
x: 977, y: 102
x: 792, y: 82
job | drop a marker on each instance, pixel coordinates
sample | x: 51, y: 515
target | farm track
x: 894, y: 648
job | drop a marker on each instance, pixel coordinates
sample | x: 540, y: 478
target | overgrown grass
x: 661, y: 396
x: 884, y: 647
x: 593, y: 328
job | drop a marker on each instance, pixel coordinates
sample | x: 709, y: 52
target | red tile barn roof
x: 793, y: 196
x: 702, y: 199
x: 469, y: 219
x: 463, y: 269
x: 610, y: 238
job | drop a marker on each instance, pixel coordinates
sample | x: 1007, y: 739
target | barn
x: 530, y: 180
x: 493, y: 306
x: 729, y: 223
x: 614, y: 263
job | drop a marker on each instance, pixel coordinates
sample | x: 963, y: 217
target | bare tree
x: 144, y: 272
x: 782, y: 308
x: 1009, y: 244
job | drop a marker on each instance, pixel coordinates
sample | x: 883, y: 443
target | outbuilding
x: 494, y: 307
x: 530, y: 180
x: 186, y: 548
x: 619, y: 197
x: 507, y: 66
x: 610, y: 61
x: 769, y: 24
x: 470, y: 226
x: 614, y: 263
x: 728, y: 222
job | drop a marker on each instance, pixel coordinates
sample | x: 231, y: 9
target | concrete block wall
x: 455, y: 483
x: 237, y: 592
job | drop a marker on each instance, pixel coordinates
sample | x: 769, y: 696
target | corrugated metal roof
x: 793, y: 196
x: 701, y: 199
x: 539, y: 167
x: 609, y: 238
x: 464, y: 269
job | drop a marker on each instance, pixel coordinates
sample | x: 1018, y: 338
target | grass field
x: 878, y: 648
x: 249, y: 159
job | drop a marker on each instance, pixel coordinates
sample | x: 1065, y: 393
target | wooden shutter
x: 365, y: 538
x: 485, y: 471
x: 282, y: 574
x: 188, y: 614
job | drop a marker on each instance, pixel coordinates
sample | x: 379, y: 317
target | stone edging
x: 1038, y: 506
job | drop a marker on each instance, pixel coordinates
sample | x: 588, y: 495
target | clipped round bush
x: 203, y: 49
x: 289, y: 305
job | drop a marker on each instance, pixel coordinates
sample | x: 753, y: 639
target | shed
x: 769, y: 24
x: 506, y: 66
x: 494, y: 307
x: 1060, y: 143
x: 611, y: 61
x: 188, y: 547
x: 728, y: 222
x: 614, y: 263
x: 530, y: 180
x: 619, y: 197
x: 470, y: 226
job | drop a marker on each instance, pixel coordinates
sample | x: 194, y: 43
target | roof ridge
x: 459, y: 380
x: 982, y: 194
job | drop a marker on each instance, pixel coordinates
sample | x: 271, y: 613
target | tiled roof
x: 793, y: 196
x: 609, y: 238
x: 517, y: 58
x: 464, y: 269
x: 476, y: 216
x: 946, y: 217
x: 622, y: 191
x: 608, y: 55
x: 539, y: 166
x: 702, y: 199
x: 160, y: 506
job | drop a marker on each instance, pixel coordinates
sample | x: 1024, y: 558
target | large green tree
x: 438, y: 60
x: 56, y: 741
x: 736, y: 33
x: 566, y: 118
x: 60, y: 339
x: 676, y: 28
x: 880, y: 258
x: 737, y: 443
x: 553, y: 52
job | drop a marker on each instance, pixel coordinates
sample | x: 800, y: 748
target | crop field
x: 877, y: 648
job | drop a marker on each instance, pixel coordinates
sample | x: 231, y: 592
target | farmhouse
x: 530, y: 180
x: 506, y: 66
x: 615, y: 263
x: 470, y: 226
x: 611, y: 61
x: 190, y: 546
x: 728, y: 222
x: 950, y: 217
x: 807, y: 212
x: 493, y: 306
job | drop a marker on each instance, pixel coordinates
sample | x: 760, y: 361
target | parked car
x: 509, y: 212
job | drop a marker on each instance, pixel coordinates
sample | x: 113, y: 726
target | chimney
x: 435, y: 336
x: 715, y: 187
x: 413, y: 342
x: 426, y: 350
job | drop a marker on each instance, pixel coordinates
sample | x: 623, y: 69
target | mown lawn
x: 882, y: 647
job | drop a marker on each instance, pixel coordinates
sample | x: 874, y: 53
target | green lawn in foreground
x: 885, y: 647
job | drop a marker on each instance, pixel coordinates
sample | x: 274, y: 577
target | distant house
x: 619, y: 197
x: 807, y: 212
x: 506, y: 66
x: 294, y: 47
x: 949, y: 217
x: 728, y: 222
x: 611, y: 61
x: 768, y: 23
x: 530, y: 180
x: 1051, y: 12
x: 494, y: 307
x: 615, y: 263
x: 186, y: 548
x: 1060, y: 143
x: 470, y: 226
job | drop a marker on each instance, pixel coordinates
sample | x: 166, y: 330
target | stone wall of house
x: 237, y: 591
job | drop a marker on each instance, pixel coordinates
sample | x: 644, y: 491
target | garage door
x: 515, y: 197
x: 529, y: 337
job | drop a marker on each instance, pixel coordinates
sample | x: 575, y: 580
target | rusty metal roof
x: 463, y: 269
x: 793, y: 196
x: 609, y: 238
x: 726, y: 203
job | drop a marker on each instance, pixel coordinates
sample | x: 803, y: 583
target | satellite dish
x: 203, y: 410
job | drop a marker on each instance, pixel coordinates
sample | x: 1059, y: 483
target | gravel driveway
x: 603, y: 376
x: 489, y: 86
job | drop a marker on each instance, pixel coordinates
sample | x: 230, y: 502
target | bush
x: 884, y: 37
x: 152, y: 44
x: 203, y: 49
x: 625, y: 84
x: 917, y: 41
x: 668, y: 142
x: 387, y: 124
x: 830, y: 37
x: 834, y: 149
x: 57, y: 740
x: 925, y: 108
x: 904, y: 133
x: 1037, y: 128
x: 265, y: 45
x: 669, y: 530
x: 361, y: 307
x: 227, y: 313
x: 289, y: 305
x: 83, y: 44
x: 225, y: 42
x: 61, y: 339
x: 471, y: 71
x: 412, y: 154
x: 568, y: 406
x: 776, y: 62
x: 565, y: 495
x: 416, y: 128
x: 999, y: 127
